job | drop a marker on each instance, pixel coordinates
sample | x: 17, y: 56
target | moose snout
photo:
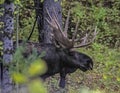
x: 90, y: 66
x: 85, y: 67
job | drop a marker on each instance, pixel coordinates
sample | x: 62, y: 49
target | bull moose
x: 60, y: 56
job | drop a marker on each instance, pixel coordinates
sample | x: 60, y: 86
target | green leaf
x: 56, y: 0
x: 37, y: 68
x: 19, y: 78
x: 1, y: 1
x: 41, y: 1
x: 36, y: 86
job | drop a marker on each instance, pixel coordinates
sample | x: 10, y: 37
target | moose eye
x: 88, y: 61
x: 71, y: 54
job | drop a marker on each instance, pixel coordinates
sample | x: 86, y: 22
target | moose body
x: 59, y: 57
x: 60, y: 60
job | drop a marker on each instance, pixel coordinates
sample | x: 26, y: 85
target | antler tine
x: 84, y: 43
x: 84, y: 38
x: 48, y: 14
x: 55, y: 19
x: 75, y: 33
x: 66, y: 24
x: 52, y: 23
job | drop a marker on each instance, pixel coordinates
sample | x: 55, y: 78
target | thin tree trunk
x: 39, y: 16
x: 1, y: 37
x: 50, y: 4
x: 7, y: 46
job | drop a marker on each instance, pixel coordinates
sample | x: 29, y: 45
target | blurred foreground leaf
x: 19, y: 78
x: 36, y: 86
x: 38, y: 67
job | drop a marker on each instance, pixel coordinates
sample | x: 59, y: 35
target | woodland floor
x: 80, y: 82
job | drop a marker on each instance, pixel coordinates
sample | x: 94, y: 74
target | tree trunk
x: 50, y: 4
x: 1, y: 35
x: 7, y: 46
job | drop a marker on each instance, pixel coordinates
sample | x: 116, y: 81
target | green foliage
x: 78, y: 10
x: 1, y: 1
x: 26, y: 14
x: 103, y: 14
x: 36, y: 86
x: 24, y: 69
x: 41, y: 0
x: 56, y: 0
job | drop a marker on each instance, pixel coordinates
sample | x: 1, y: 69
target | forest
x: 29, y: 41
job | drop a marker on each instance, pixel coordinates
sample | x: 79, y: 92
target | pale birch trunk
x: 7, y: 46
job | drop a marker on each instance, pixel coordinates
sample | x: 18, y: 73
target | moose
x: 60, y: 56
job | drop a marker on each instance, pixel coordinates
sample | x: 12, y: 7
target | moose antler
x: 62, y: 37
x: 57, y: 31
x: 85, y: 41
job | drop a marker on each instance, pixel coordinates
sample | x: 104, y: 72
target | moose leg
x: 62, y: 78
